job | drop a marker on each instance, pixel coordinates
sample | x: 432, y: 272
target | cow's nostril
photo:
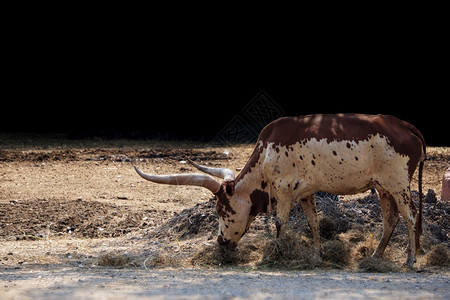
x: 222, y: 241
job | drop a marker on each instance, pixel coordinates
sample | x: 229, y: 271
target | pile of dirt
x: 200, y: 219
x: 89, y: 219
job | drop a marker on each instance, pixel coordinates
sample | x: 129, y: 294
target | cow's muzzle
x: 226, y: 243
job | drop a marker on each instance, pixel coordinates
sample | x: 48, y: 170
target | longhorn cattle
x: 295, y: 157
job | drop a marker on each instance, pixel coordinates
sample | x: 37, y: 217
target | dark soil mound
x: 92, y: 219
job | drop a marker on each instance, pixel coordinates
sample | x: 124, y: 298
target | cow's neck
x: 251, y: 177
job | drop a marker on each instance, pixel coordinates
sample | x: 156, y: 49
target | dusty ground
x: 76, y: 220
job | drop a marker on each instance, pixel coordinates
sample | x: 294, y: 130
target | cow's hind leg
x: 390, y: 220
x: 405, y: 208
x: 309, y: 208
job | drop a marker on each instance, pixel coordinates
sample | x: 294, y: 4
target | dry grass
x: 113, y: 259
x: 213, y: 255
x: 365, y: 248
x: 351, y: 250
x: 438, y: 256
x: 377, y: 265
x: 291, y: 251
x: 160, y: 259
x: 336, y: 253
x: 117, y: 259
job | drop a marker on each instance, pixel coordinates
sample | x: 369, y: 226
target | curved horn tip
x: 190, y: 161
x: 196, y: 165
x: 139, y: 171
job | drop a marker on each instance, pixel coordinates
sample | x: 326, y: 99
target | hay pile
x: 350, y: 231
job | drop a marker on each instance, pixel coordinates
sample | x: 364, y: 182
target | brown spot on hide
x: 334, y: 153
x: 348, y: 145
x: 286, y: 153
x: 356, y: 157
x: 263, y: 184
x: 313, y: 162
x: 260, y: 201
x: 223, y: 206
x: 406, y: 199
x: 296, y: 185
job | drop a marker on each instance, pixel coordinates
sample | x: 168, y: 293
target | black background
x: 138, y: 81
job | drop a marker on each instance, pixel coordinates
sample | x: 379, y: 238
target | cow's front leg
x: 309, y: 208
x: 282, y: 218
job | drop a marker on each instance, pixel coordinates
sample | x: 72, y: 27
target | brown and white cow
x: 295, y: 157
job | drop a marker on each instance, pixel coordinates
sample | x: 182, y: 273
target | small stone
x: 431, y: 197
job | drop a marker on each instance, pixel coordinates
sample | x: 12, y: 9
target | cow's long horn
x: 183, y: 179
x: 225, y: 174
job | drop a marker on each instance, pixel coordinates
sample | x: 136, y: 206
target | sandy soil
x: 76, y: 221
x: 82, y: 283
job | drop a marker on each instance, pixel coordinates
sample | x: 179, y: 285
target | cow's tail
x: 419, y: 215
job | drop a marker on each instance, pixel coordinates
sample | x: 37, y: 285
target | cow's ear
x: 229, y: 187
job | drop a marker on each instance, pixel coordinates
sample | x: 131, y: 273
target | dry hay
x: 365, y: 248
x: 377, y: 265
x: 336, y: 253
x: 212, y: 255
x: 438, y: 256
x: 290, y: 251
x: 350, y: 232
x: 114, y: 259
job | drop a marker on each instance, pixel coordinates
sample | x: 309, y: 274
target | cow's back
x: 349, y: 129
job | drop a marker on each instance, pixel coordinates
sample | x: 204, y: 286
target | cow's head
x: 232, y: 209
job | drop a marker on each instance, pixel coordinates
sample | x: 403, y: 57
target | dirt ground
x: 77, y: 221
